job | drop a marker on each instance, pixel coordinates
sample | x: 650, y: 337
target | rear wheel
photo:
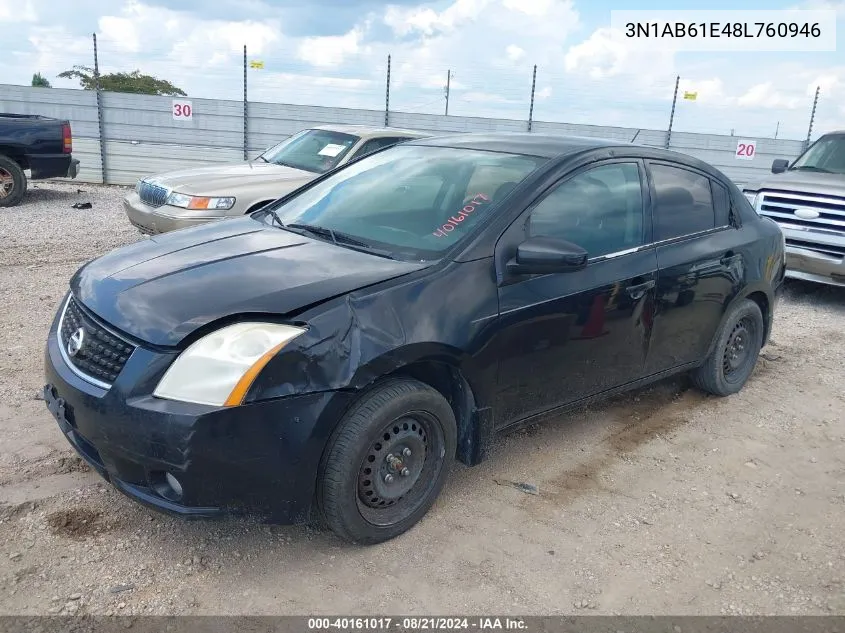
x: 12, y: 182
x: 387, y: 462
x: 735, y: 353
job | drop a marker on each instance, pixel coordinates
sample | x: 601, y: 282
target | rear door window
x: 683, y: 202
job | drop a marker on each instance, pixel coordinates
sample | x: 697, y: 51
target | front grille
x: 151, y: 194
x: 781, y: 208
x: 101, y: 355
x: 827, y: 249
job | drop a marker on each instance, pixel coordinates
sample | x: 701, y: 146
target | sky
x: 334, y: 53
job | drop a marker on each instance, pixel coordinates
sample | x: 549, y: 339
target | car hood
x: 227, y: 180
x: 802, y: 182
x: 162, y: 289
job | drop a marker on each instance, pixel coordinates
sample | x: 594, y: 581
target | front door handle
x: 638, y: 291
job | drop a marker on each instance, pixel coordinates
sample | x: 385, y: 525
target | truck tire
x: 12, y: 182
x: 386, y: 462
x: 734, y: 355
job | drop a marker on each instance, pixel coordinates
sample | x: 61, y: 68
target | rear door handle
x: 638, y: 291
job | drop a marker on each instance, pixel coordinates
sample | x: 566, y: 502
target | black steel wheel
x: 387, y: 462
x: 735, y: 351
x: 739, y: 349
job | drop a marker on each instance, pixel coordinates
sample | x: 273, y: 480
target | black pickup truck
x: 40, y: 144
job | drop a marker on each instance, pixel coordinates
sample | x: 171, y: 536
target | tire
x: 735, y: 352
x: 12, y: 182
x: 382, y: 435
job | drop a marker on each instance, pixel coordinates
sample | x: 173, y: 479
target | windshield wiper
x: 261, y: 156
x: 339, y: 237
x: 812, y: 168
x: 316, y: 230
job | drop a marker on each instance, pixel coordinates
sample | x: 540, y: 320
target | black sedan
x: 329, y: 356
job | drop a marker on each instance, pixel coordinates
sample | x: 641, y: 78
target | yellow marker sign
x: 256, y: 64
x: 691, y: 96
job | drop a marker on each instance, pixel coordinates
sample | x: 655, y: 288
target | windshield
x: 316, y: 151
x: 825, y: 155
x: 414, y: 202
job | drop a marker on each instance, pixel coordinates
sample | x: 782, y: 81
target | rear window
x: 684, y: 202
x: 316, y: 151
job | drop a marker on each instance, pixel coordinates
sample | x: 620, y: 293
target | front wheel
x: 735, y: 353
x: 387, y: 462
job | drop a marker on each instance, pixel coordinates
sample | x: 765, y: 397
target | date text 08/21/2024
x: 657, y: 30
x: 418, y: 623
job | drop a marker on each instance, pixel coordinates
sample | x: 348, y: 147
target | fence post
x: 448, y: 86
x: 812, y: 118
x: 246, y: 108
x: 387, y: 96
x: 672, y: 113
x: 531, y: 109
x: 100, y: 122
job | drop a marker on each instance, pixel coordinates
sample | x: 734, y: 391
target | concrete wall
x: 141, y: 137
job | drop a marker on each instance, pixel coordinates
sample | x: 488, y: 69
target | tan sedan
x: 184, y: 198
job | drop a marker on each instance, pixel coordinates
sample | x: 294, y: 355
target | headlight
x: 219, y: 368
x: 752, y: 197
x: 185, y: 201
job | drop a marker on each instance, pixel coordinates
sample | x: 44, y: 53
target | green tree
x: 40, y: 81
x: 123, y: 82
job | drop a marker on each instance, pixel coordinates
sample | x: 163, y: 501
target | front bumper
x: 260, y: 458
x: 810, y: 265
x: 153, y: 220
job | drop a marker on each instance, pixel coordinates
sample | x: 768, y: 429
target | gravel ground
x: 665, y: 501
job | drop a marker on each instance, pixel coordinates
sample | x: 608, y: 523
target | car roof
x: 556, y: 146
x: 371, y: 130
x: 542, y: 145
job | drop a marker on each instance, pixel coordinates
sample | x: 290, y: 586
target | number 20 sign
x: 745, y: 150
x: 182, y: 110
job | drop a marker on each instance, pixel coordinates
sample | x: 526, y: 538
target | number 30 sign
x: 182, y: 110
x: 745, y: 150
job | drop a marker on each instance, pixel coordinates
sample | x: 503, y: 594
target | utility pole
x: 448, y: 85
x: 777, y: 129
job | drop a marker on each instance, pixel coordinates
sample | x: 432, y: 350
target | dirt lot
x: 664, y: 501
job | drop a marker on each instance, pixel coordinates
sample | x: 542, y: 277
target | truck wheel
x: 387, y: 462
x: 735, y: 353
x: 12, y: 182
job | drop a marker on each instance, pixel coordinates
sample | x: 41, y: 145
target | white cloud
x: 330, y: 50
x: 531, y: 7
x: 120, y: 32
x: 514, y: 52
x: 11, y: 11
x: 606, y: 54
x: 765, y: 95
x: 427, y: 21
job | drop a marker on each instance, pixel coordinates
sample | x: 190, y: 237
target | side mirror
x: 780, y: 165
x: 542, y: 255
